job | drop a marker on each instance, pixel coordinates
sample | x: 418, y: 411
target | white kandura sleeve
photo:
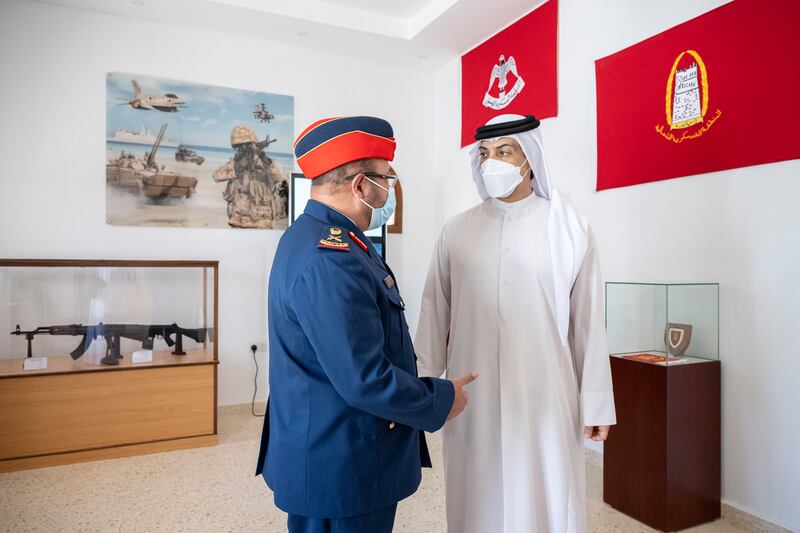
x: 589, y: 343
x: 431, y: 340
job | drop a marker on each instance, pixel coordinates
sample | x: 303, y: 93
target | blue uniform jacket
x: 343, y: 431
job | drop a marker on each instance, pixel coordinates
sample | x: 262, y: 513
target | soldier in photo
x: 254, y: 185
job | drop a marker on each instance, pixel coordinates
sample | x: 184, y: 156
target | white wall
x: 738, y: 227
x: 52, y: 189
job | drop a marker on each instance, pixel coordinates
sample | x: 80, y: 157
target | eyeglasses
x: 389, y: 178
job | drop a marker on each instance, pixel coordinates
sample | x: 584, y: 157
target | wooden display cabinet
x: 80, y: 409
x: 661, y: 462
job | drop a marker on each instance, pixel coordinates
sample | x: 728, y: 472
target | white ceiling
x: 387, y: 8
x: 391, y: 8
x: 416, y: 33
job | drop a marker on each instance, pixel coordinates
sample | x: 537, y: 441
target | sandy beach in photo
x: 206, y: 208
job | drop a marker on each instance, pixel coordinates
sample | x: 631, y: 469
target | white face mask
x: 500, y: 178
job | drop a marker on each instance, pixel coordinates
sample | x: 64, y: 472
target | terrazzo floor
x: 213, y: 490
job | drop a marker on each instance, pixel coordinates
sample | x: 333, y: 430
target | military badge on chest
x: 332, y: 238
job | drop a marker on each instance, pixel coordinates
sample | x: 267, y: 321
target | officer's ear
x: 358, y: 186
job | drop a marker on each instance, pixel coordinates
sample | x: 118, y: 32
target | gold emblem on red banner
x: 686, y: 101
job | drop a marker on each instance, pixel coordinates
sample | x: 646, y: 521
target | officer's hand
x: 460, y: 400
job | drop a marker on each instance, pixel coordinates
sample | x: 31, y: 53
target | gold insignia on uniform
x: 334, y: 235
x: 333, y: 240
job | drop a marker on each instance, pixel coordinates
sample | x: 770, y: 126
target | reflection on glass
x: 670, y: 323
x: 102, y: 314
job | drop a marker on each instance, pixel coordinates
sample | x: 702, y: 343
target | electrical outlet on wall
x: 261, y: 346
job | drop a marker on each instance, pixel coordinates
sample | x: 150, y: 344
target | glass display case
x: 663, y: 323
x: 73, y: 315
x: 102, y: 359
x: 662, y: 461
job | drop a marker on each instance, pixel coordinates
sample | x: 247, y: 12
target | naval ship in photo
x: 143, y: 136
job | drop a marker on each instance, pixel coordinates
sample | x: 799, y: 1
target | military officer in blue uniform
x: 343, y: 437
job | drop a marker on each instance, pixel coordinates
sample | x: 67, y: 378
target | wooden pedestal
x: 82, y: 411
x: 662, y: 459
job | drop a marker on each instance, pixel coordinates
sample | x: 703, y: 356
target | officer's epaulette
x: 333, y: 238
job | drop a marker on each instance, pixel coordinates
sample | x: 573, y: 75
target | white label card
x: 142, y: 356
x: 34, y: 363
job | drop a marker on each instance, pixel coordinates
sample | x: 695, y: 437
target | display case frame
x: 83, y: 410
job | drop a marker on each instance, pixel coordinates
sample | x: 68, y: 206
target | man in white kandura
x: 514, y: 292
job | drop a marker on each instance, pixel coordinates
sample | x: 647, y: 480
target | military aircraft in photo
x: 262, y: 114
x: 168, y: 103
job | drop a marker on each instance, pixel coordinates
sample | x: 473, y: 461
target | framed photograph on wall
x: 185, y: 154
x: 301, y: 194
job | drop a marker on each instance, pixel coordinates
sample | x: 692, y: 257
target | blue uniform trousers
x: 380, y: 521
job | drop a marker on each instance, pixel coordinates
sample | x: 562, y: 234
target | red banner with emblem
x: 717, y: 92
x: 516, y: 71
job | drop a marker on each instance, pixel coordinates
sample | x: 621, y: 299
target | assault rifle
x: 112, y: 333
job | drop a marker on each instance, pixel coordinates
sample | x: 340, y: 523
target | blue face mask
x: 381, y: 215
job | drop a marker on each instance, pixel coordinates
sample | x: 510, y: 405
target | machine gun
x: 265, y: 143
x: 112, y: 333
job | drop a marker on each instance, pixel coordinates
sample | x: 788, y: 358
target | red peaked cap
x: 332, y: 142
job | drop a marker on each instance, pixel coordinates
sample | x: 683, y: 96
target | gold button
x: 391, y: 425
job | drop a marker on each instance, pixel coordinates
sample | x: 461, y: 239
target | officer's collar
x: 332, y: 216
